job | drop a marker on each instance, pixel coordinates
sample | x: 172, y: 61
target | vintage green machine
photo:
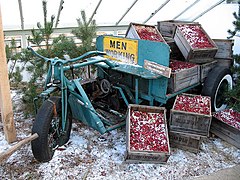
x: 129, y: 71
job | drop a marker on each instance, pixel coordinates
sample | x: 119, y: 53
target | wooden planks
x: 225, y: 48
x: 190, y: 122
x: 185, y: 141
x: 5, y: 97
x: 206, y: 68
x: 225, y: 132
x: 183, y: 79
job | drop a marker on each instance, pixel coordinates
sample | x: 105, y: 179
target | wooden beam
x: 5, y: 97
x: 5, y: 155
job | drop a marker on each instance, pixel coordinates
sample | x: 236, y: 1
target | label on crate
x: 121, y: 49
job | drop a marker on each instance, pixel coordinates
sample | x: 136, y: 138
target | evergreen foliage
x: 62, y: 47
x: 235, y: 93
x: 86, y: 32
x: 44, y: 32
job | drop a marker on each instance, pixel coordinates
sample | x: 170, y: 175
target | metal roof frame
x: 21, y: 14
x: 186, y: 9
x: 126, y: 12
x: 207, y: 10
x: 156, y: 11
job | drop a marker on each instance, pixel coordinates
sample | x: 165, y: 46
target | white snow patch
x: 87, y: 157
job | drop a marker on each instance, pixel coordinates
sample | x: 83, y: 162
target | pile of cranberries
x: 229, y: 116
x: 196, y: 104
x: 180, y: 65
x: 148, y: 132
x: 195, y: 36
x: 148, y: 33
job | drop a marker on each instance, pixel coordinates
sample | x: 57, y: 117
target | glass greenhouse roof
x: 110, y: 12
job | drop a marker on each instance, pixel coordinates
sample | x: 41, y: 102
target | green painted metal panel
x: 146, y: 50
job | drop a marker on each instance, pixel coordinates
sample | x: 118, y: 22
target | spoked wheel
x: 49, y: 129
x: 216, y: 85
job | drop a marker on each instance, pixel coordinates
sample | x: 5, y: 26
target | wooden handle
x: 5, y: 155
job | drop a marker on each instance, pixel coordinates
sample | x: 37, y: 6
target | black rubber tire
x: 215, y: 81
x: 42, y: 126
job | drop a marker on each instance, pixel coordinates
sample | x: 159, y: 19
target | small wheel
x: 105, y: 86
x: 217, y: 83
x: 49, y: 129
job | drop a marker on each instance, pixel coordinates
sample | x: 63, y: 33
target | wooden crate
x: 133, y: 34
x: 205, y: 68
x: 145, y: 156
x: 225, y: 125
x: 195, y: 55
x: 225, y: 48
x: 190, y: 122
x: 167, y: 28
x: 185, y: 141
x: 183, y: 79
x: 225, y: 132
x: 225, y: 62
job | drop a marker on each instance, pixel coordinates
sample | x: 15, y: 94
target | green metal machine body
x: 123, y: 78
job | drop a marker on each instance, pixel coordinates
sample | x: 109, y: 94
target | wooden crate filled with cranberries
x: 147, y: 134
x: 191, y: 114
x: 183, y: 75
x: 145, y: 32
x: 194, y: 43
x: 226, y: 125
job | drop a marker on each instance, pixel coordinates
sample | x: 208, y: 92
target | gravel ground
x: 87, y: 156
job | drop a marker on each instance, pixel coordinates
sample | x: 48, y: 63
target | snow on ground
x: 88, y: 155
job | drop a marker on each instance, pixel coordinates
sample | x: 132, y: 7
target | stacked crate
x: 145, y: 32
x: 185, y: 38
x: 190, y: 120
x: 168, y: 27
x: 226, y: 125
x: 183, y: 75
x: 147, y: 134
x: 224, y: 55
x: 194, y: 43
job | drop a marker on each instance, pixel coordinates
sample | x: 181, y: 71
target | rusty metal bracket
x: 54, y: 108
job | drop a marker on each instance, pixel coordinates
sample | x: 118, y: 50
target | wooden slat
x: 205, y: 68
x: 183, y: 79
x: 226, y: 132
x: 190, y: 122
x: 157, y: 68
x: 5, y: 97
x: 185, y: 141
x: 225, y: 48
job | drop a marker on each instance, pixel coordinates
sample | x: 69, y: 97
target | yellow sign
x: 121, y: 49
